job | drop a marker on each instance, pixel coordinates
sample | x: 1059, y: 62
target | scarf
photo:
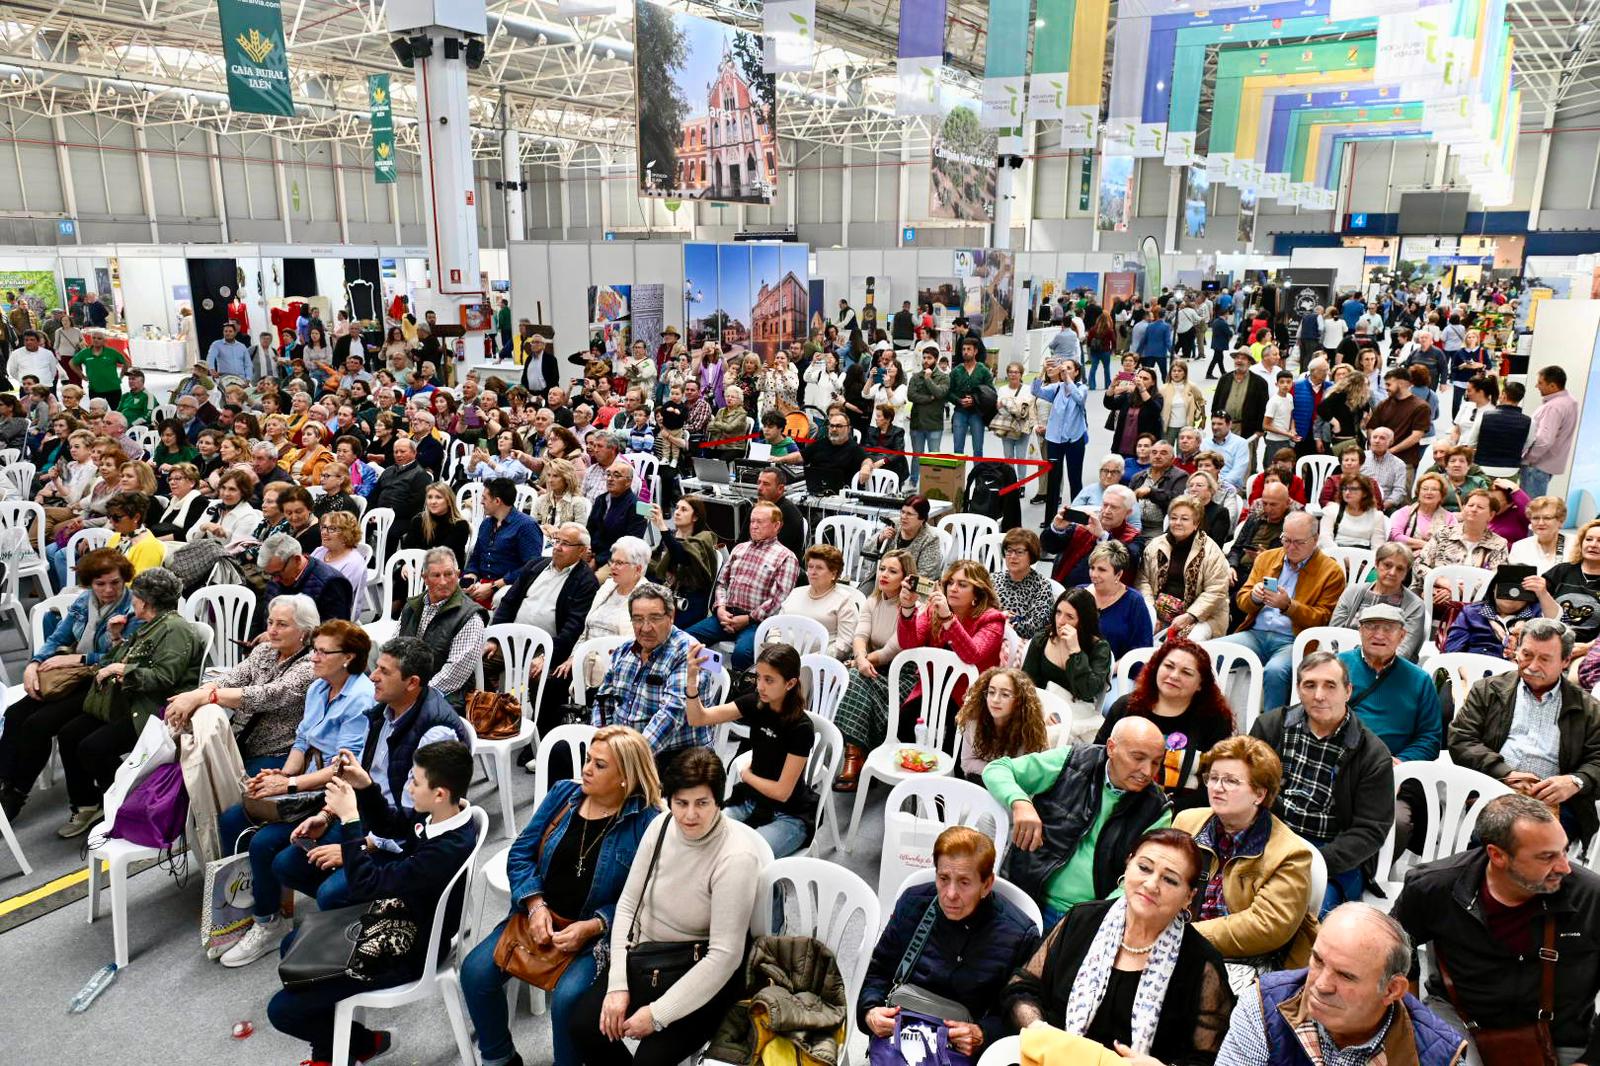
x: 91, y: 623
x: 1089, y: 988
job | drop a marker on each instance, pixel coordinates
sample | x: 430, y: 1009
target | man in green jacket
x: 926, y: 392
x: 966, y: 377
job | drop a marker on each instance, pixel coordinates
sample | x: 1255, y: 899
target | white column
x: 449, y: 187
x: 69, y: 191
x: 1030, y: 168
x: 281, y: 180
x: 1005, y: 192
x: 844, y: 197
x: 146, y: 185
x: 394, y: 207
x: 511, y: 171
x: 1543, y: 167
x: 903, y: 212
x: 214, y: 152
x: 341, y: 198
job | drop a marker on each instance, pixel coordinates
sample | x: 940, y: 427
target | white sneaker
x: 260, y: 939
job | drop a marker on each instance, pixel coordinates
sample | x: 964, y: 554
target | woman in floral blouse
x: 1469, y: 542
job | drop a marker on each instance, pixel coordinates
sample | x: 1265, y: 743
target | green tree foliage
x: 658, y: 50
x: 763, y: 86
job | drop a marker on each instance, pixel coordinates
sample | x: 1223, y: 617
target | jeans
x: 308, y: 1012
x: 1014, y: 448
x: 968, y: 421
x: 1065, y: 457
x: 293, y: 870
x: 785, y: 834
x: 483, y: 986
x: 56, y: 559
x: 1158, y: 363
x: 1101, y: 360
x: 924, y: 441
x: 1052, y: 918
x: 1346, y: 887
x: 709, y: 631
x: 1276, y: 652
x: 1535, y: 482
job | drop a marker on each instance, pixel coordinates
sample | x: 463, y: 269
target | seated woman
x: 1468, y: 542
x: 1350, y: 460
x: 507, y: 460
x: 1025, y: 593
x: 1178, y: 692
x: 823, y: 598
x: 1414, y: 523
x: 772, y: 796
x: 863, y: 713
x: 1125, y: 621
x: 126, y: 512
x: 975, y: 942
x: 265, y: 694
x: 1255, y: 872
x: 186, y: 505
x: 560, y: 497
x: 1510, y: 506
x: 1000, y: 718
x: 1186, y: 576
x: 1354, y: 521
x: 336, y: 698
x: 912, y: 533
x: 341, y: 549
x: 729, y: 421
x: 1484, y: 625
x: 567, y: 870
x: 1092, y: 495
x: 1391, y: 583
x: 1070, y: 654
x: 300, y: 521
x: 1132, y: 973
x: 1203, y: 486
x: 440, y: 524
x: 58, y: 675
x: 1458, y: 477
x: 336, y: 493
x: 693, y: 879
x: 1545, y: 545
x: 962, y: 615
x: 231, y: 519
x: 305, y: 463
x: 608, y: 612
x: 685, y: 560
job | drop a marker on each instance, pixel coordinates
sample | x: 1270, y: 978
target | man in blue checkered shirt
x: 644, y: 687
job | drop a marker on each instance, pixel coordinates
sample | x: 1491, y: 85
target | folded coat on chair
x: 797, y: 994
x: 212, y: 767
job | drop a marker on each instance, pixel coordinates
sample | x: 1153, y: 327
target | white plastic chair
x: 938, y: 672
x: 456, y: 453
x: 519, y: 646
x: 526, y: 497
x: 409, y: 563
x: 1466, y: 583
x: 1450, y: 819
x: 1466, y: 668
x: 1318, y: 888
x: 19, y: 474
x: 1313, y: 470
x: 1336, y: 639
x: 375, y: 527
x: 22, y: 526
x: 989, y: 553
x: 14, y: 846
x: 881, y: 482
x: 824, y: 679
x: 965, y: 529
x: 82, y: 543
x: 646, y: 471
x: 1007, y: 1051
x: 119, y: 855
x: 443, y: 981
x: 1126, y: 672
x: 584, y: 653
x: 947, y: 550
x: 1245, y: 698
x: 805, y: 635
x: 1007, y: 891
x: 229, y: 611
x: 851, y: 535
x: 1357, y: 562
x: 936, y: 803
x: 827, y: 752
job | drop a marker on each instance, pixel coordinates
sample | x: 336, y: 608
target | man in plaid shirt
x: 759, y: 574
x: 644, y: 687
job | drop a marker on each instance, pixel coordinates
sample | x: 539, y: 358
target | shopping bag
x: 153, y: 813
x: 227, y: 906
x: 154, y: 748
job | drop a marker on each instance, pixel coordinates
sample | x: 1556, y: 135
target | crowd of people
x: 1168, y: 836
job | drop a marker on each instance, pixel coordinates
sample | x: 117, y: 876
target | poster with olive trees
x: 961, y: 179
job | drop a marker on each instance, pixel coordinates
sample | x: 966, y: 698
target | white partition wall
x: 1565, y: 336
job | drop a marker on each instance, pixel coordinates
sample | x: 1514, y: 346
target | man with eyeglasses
x: 615, y: 514
x: 644, y: 687
x: 554, y: 594
x: 447, y: 620
x: 836, y: 461
x: 1290, y: 588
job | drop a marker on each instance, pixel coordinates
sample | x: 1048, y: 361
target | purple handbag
x: 155, y: 810
x: 931, y: 1036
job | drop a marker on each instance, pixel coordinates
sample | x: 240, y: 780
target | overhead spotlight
x: 402, y: 52
x: 611, y: 53
x: 16, y: 79
x: 544, y: 39
x: 474, y: 54
x: 111, y: 90
x: 421, y: 46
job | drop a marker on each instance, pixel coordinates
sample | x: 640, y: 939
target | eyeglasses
x: 649, y: 619
x: 323, y: 653
x: 1296, y: 541
x: 1015, y: 550
x: 568, y: 544
x: 1222, y: 783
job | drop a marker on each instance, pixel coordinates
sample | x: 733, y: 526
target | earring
x: 1121, y: 879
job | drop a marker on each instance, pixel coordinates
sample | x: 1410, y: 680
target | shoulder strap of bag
x: 1548, y: 956
x: 1377, y: 682
x: 644, y: 889
x: 919, y: 940
x: 551, y: 828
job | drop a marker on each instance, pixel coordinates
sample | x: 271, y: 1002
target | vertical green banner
x: 382, y: 129
x: 257, y: 58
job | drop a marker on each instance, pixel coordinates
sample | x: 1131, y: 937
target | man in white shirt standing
x: 1465, y: 431
x: 32, y: 358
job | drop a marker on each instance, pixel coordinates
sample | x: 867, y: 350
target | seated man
x: 835, y: 461
x: 508, y: 540
x: 615, y: 514
x: 1160, y: 485
x: 1535, y: 729
x: 1072, y: 541
x: 644, y: 687
x: 449, y: 623
x: 1261, y: 530
x: 1076, y: 813
x: 289, y: 569
x: 554, y: 594
x: 1385, y: 468
x: 437, y: 835
x: 1289, y: 589
x: 1338, y: 778
x: 1351, y: 1000
x: 1491, y: 911
x: 750, y: 587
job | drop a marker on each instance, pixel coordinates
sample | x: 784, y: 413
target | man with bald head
x: 1351, y: 1000
x: 1077, y: 812
x: 1290, y: 588
x: 1263, y: 529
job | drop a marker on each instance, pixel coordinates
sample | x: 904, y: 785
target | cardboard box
x: 945, y: 479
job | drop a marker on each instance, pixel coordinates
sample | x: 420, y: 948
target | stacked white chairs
x: 1453, y: 797
x: 823, y: 679
x: 22, y: 554
x: 938, y: 672
x: 935, y: 804
x: 18, y: 475
x: 436, y: 979
x: 519, y: 646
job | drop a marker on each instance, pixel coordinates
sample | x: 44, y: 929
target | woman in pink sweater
x: 962, y: 614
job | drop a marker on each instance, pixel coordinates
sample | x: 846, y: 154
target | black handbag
x: 364, y: 941
x: 656, y: 965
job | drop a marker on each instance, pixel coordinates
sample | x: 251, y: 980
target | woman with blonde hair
x: 341, y: 543
x: 1546, y: 545
x: 1185, y: 575
x: 306, y: 462
x: 336, y: 495
x: 1183, y: 405
x: 1001, y: 717
x: 440, y: 523
x: 275, y: 429
x: 1413, y: 524
x: 560, y: 498
x: 962, y: 615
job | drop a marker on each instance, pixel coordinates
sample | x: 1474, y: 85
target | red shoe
x: 381, y: 1042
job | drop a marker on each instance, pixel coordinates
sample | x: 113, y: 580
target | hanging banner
x: 790, y: 44
x: 579, y: 8
x: 1247, y: 218
x: 1004, y: 65
x: 920, y: 57
x: 1052, y: 51
x: 382, y: 128
x: 961, y: 173
x: 1091, y: 26
x: 256, y: 56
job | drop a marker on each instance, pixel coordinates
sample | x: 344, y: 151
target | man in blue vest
x: 1350, y: 1006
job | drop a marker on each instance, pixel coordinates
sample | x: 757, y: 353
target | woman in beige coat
x: 1185, y: 575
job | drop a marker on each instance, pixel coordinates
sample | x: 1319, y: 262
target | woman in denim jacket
x: 567, y: 869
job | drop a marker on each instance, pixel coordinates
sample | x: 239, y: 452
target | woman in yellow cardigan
x: 305, y: 463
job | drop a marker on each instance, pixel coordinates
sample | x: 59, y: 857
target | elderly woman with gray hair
x: 608, y: 613
x: 1391, y: 584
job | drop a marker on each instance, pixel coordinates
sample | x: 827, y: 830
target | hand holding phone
x: 1270, y: 583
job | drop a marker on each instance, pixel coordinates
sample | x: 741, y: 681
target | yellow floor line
x: 44, y: 891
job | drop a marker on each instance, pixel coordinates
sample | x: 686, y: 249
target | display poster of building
x: 1114, y: 209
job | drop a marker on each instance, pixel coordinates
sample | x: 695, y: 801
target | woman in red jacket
x: 963, y: 615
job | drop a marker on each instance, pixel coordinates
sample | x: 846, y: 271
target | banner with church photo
x: 707, y: 110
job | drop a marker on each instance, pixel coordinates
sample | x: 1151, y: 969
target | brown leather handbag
x: 1517, y: 1045
x: 494, y: 715
x: 518, y: 953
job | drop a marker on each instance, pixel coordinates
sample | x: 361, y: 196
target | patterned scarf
x: 1089, y: 988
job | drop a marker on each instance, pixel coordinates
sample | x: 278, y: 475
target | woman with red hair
x: 1178, y: 692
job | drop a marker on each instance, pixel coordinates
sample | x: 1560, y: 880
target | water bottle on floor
x: 97, y: 984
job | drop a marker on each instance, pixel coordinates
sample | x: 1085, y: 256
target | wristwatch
x: 292, y: 787
x: 1577, y: 779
